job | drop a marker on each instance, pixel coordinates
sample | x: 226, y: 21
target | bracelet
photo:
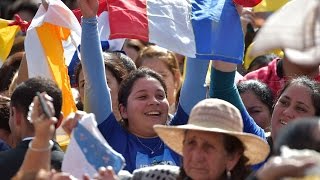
x: 41, y: 149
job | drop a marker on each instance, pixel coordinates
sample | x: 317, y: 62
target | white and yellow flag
x: 51, y: 41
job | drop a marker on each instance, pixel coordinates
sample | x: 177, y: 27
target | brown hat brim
x: 256, y: 149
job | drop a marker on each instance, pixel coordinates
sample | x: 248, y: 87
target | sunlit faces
x: 257, y: 109
x: 113, y: 86
x: 171, y: 80
x: 294, y: 102
x: 205, y: 157
x: 147, y: 105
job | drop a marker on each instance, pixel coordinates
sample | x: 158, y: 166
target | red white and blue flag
x: 206, y: 29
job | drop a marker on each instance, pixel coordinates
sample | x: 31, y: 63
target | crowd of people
x: 154, y: 108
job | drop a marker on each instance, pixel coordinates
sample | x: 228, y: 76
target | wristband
x: 41, y: 149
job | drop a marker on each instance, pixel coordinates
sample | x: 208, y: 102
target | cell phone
x: 44, y: 105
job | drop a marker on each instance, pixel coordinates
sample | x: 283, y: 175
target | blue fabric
x: 193, y: 89
x: 72, y: 68
x: 98, y: 101
x: 217, y: 29
x: 96, y: 153
x: 136, y: 154
x: 97, y: 98
x: 4, y: 146
x: 222, y: 86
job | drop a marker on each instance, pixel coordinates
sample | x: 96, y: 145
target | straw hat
x: 218, y: 116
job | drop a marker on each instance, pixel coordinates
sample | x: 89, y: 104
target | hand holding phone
x: 44, y: 106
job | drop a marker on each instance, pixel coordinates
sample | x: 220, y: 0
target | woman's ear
x: 232, y: 160
x: 123, y: 111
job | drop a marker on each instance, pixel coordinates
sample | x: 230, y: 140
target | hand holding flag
x: 8, y: 31
x: 88, y: 150
x: 52, y: 35
x: 89, y: 8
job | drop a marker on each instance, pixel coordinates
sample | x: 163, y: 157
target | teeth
x: 153, y: 113
x: 283, y: 122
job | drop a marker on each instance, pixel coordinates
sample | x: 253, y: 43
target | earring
x: 228, y: 174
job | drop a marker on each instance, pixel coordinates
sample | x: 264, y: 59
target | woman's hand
x: 89, y: 8
x: 103, y: 174
x: 71, y: 121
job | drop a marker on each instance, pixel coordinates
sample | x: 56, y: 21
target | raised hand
x: 89, y: 8
x: 71, y: 121
x: 43, y: 125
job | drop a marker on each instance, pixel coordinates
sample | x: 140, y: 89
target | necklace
x: 155, y: 147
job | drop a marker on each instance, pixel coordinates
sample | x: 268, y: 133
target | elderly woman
x: 213, y: 144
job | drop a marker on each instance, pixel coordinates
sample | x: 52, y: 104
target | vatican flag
x: 50, y: 43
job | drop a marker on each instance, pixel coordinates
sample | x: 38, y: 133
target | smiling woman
x: 142, y: 99
x: 299, y: 98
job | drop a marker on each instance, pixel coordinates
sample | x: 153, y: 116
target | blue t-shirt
x: 97, y: 100
x: 141, y: 152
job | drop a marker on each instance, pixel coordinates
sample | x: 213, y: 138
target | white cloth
x: 294, y: 28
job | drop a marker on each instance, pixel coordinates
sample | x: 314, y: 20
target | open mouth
x: 153, y: 113
x: 283, y: 122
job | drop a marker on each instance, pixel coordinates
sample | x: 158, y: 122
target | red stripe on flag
x: 128, y: 19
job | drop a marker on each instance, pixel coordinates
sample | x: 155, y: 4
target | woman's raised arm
x: 97, y: 96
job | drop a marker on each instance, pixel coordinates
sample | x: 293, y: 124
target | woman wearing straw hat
x: 213, y: 144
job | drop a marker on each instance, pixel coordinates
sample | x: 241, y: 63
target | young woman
x: 142, y: 101
x: 165, y: 63
x: 258, y: 100
x: 299, y: 98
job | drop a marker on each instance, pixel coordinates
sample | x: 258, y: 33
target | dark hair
x: 23, y: 95
x: 312, y: 85
x: 128, y: 83
x: 18, y: 45
x: 302, y: 133
x: 261, y: 61
x: 231, y: 145
x: 117, y: 63
x: 22, y: 5
x: 8, y: 70
x: 260, y: 89
x: 4, y: 117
